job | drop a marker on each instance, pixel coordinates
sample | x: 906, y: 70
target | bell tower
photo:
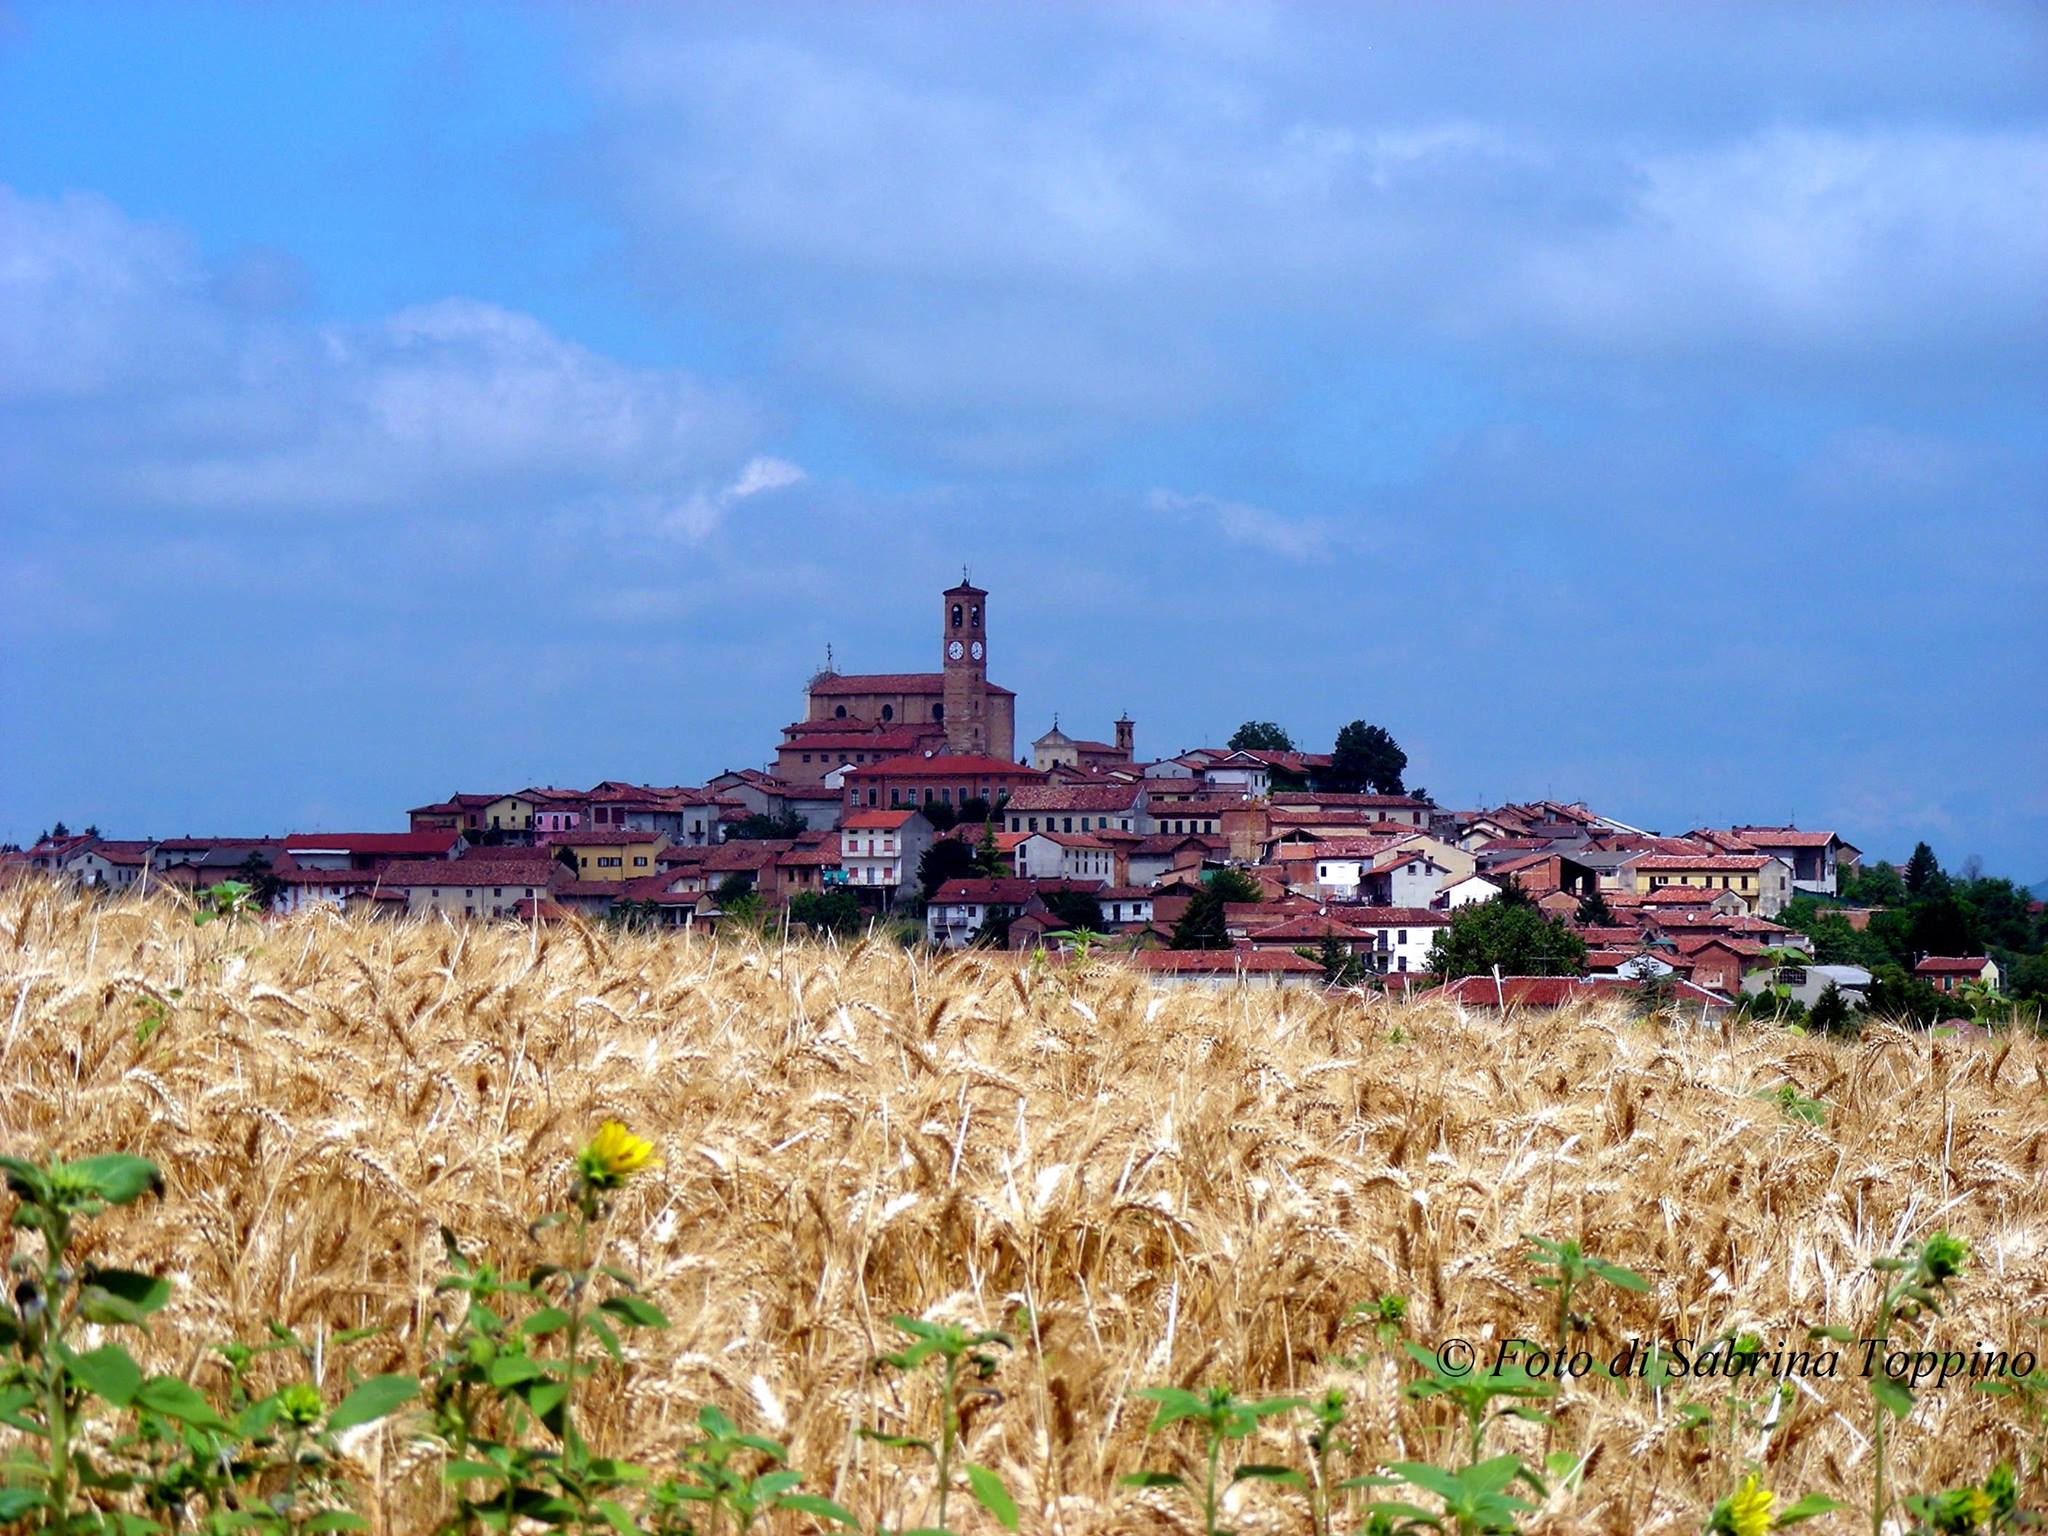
x: 963, y: 626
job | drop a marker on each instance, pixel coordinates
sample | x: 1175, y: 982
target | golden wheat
x: 1179, y: 1186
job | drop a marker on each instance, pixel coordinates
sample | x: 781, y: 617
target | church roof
x: 842, y: 684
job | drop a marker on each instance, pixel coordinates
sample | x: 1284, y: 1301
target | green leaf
x: 605, y: 1336
x: 715, y: 1423
x: 145, y: 1293
x: 372, y: 1400
x: 1806, y: 1508
x: 546, y: 1320
x: 1423, y: 1475
x: 1614, y: 1274
x: 897, y: 1442
x: 336, y: 1520
x: 118, y: 1178
x: 510, y: 1370
x: 465, y: 1471
x: 175, y: 1399
x: 1897, y: 1398
x: 109, y: 1372
x: 616, y: 1517
x: 634, y: 1312
x: 16, y: 1502
x: 1151, y: 1480
x: 815, y: 1504
x: 990, y: 1493
x: 1266, y: 1473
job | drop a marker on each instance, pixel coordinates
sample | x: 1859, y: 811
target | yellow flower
x: 614, y: 1155
x: 1977, y: 1505
x: 1749, y: 1508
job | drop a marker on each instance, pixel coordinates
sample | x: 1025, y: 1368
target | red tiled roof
x: 1784, y: 837
x: 1952, y: 965
x: 840, y: 684
x: 1223, y: 962
x: 1009, y: 891
x: 600, y: 837
x: 1392, y: 917
x: 1701, y: 861
x: 1304, y: 928
x: 1555, y: 991
x: 912, y: 766
x: 1347, y: 848
x: 1073, y: 797
x: 396, y: 844
x: 335, y: 876
x: 469, y: 871
x: 1685, y: 896
x: 876, y: 821
x: 1066, y: 839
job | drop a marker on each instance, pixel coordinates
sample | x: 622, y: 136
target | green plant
x: 964, y: 1364
x: 716, y: 1477
x: 1474, y: 1391
x: 1794, y: 1106
x: 1323, y: 1443
x: 1571, y: 1267
x: 1922, y: 1282
x: 1747, y: 1511
x: 2030, y: 1395
x: 1476, y: 1499
x: 1223, y: 1417
x: 231, y: 899
x: 1979, y: 1510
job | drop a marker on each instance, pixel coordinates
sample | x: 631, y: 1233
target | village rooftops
x: 1005, y: 891
x: 1072, y: 797
x: 876, y: 821
x: 468, y: 872
x: 1223, y: 962
x: 1952, y: 965
x: 1678, y: 863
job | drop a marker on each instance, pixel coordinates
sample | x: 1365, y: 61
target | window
x: 807, y: 757
x: 1069, y: 825
x: 938, y: 712
x: 497, y: 890
x: 888, y: 711
x: 639, y: 862
x: 977, y: 615
x: 1034, y: 825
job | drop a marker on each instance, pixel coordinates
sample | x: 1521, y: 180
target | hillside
x: 1147, y: 1187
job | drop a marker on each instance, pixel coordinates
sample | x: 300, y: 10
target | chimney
x: 1125, y: 735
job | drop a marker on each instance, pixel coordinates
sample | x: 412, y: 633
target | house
x: 880, y: 850
x: 1157, y: 857
x: 1759, y: 879
x: 458, y: 813
x: 1461, y: 893
x: 1242, y: 775
x: 1307, y: 930
x: 108, y: 863
x: 1337, y: 868
x: 1056, y: 749
x: 1125, y: 905
x: 1202, y: 814
x: 1718, y: 962
x: 1948, y: 973
x: 1815, y: 858
x: 1402, y: 877
x: 1402, y: 937
x: 1257, y: 969
x: 610, y: 854
x: 338, y: 887
x: 1063, y: 856
x: 1055, y: 807
x: 480, y: 884
x: 960, y: 909
x: 1806, y: 983
x: 811, y: 749
x: 949, y: 779
x: 370, y: 850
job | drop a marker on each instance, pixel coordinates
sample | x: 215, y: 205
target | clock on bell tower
x: 963, y: 623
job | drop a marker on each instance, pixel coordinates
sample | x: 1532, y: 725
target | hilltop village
x: 901, y: 798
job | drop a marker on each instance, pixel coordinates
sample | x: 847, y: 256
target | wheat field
x: 1165, y: 1186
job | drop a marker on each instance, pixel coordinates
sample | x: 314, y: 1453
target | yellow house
x: 1759, y: 879
x: 612, y: 853
x: 509, y: 813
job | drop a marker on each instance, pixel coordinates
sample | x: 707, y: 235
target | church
x: 861, y: 718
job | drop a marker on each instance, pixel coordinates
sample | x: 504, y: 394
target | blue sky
x: 1643, y: 404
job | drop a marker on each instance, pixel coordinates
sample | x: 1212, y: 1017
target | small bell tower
x: 963, y: 637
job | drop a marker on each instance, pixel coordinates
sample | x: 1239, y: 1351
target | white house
x: 1240, y: 774
x: 959, y: 909
x: 1122, y: 904
x: 880, y: 850
x: 1406, y: 877
x: 1062, y: 856
x: 1401, y: 936
x: 1462, y: 893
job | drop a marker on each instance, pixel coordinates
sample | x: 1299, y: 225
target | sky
x: 1639, y: 404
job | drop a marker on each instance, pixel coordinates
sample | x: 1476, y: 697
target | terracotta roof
x: 601, y: 837
x: 1347, y: 848
x: 1124, y: 893
x: 1009, y: 891
x: 1065, y: 839
x: 1784, y: 837
x: 1073, y: 797
x: 1393, y: 917
x: 1223, y: 962
x: 396, y: 844
x: 1699, y: 861
x: 1685, y: 896
x: 876, y: 821
x: 469, y: 871
x: 336, y: 876
x: 913, y: 766
x: 839, y: 684
x: 1609, y: 937
x: 1555, y: 991
x: 1952, y: 965
x: 1305, y: 928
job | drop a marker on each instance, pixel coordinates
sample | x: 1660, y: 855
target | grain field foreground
x: 1180, y: 1187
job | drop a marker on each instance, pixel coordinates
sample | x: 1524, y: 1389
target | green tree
x: 1593, y: 910
x: 834, y: 911
x: 1518, y: 940
x: 734, y: 887
x: 1922, y: 871
x: 2028, y: 978
x: 1366, y: 758
x: 1895, y: 993
x: 1202, y: 925
x: 1512, y: 892
x: 940, y: 814
x: 1234, y: 886
x: 1260, y: 736
x: 761, y: 827
x: 264, y: 885
x: 974, y: 808
x: 946, y: 859
x: 1341, y: 968
x: 1831, y: 1013
x: 1075, y: 910
x: 1945, y: 925
x: 988, y: 858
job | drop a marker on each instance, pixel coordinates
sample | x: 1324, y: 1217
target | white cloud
x: 136, y: 379
x: 1241, y: 523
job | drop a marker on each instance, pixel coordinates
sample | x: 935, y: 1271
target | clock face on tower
x: 953, y: 650
x: 976, y: 649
